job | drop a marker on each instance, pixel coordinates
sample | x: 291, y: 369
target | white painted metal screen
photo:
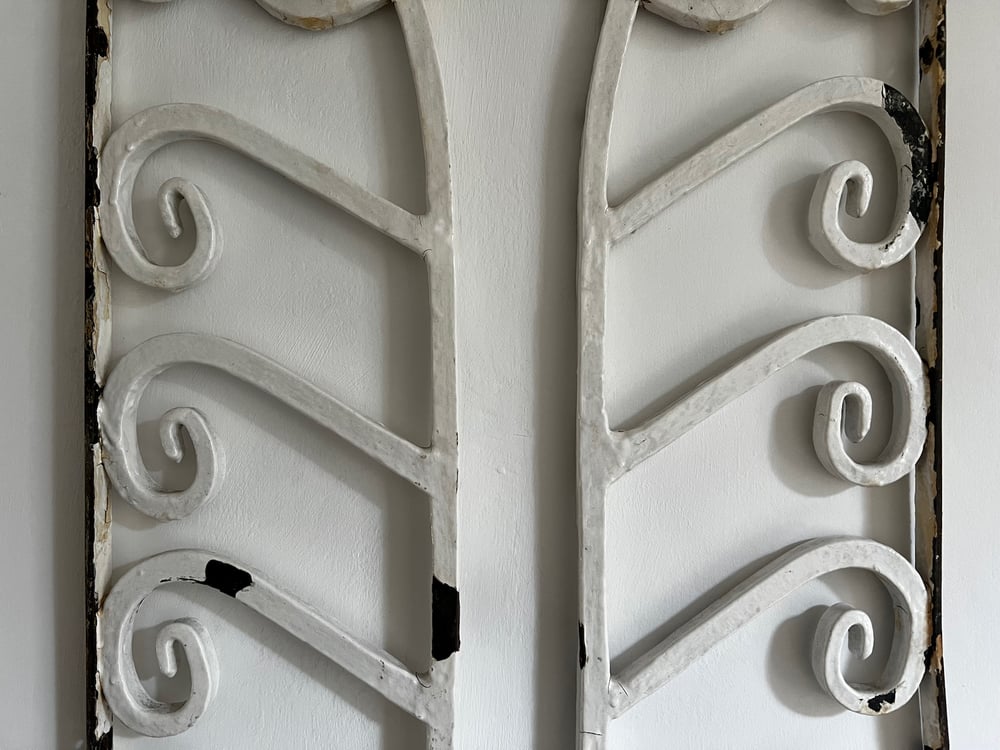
x: 843, y: 411
x: 426, y: 692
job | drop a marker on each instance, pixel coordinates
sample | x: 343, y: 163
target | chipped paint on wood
x: 928, y: 505
x: 97, y: 334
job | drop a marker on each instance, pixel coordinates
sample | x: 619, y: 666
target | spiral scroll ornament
x: 417, y: 694
x: 118, y: 414
x: 140, y: 137
x: 843, y: 409
x: 839, y: 624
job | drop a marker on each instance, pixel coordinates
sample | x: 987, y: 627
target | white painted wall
x: 344, y: 307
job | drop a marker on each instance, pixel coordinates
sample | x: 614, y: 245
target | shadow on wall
x: 68, y: 453
x: 556, y: 650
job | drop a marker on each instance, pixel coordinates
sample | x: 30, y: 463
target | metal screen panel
x: 113, y: 394
x: 843, y: 408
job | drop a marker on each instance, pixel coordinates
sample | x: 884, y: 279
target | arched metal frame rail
x: 843, y: 410
x: 114, y: 160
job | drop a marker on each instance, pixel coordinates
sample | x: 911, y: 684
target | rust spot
x: 718, y: 27
x: 311, y: 23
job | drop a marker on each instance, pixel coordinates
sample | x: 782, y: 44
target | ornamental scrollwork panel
x: 843, y: 409
x: 432, y: 468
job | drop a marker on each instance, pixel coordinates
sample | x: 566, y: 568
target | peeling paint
x: 916, y: 139
x: 928, y: 503
x: 227, y: 578
x: 97, y: 565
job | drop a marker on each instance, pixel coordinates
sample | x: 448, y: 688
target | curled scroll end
x: 844, y: 413
x: 122, y: 160
x: 131, y: 703
x: 173, y: 505
x: 844, y: 409
x: 206, y: 253
x: 851, y: 182
x: 130, y: 478
x: 842, y: 624
x: 878, y: 7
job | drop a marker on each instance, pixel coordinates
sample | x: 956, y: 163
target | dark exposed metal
x: 928, y: 495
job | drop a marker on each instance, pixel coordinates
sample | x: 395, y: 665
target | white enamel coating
x: 843, y: 409
x: 839, y: 624
x: 433, y: 468
x: 118, y: 414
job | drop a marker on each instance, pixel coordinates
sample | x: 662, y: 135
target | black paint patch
x: 97, y: 47
x: 93, y: 191
x: 446, y: 613
x: 917, y: 142
x: 929, y: 651
x: 583, y: 648
x: 879, y: 701
x: 226, y: 578
x: 98, y: 737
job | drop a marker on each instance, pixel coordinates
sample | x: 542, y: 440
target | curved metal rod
x: 877, y: 101
x: 836, y: 401
x: 131, y: 703
x: 805, y: 562
x: 315, y: 15
x: 133, y: 143
x: 118, y: 414
x: 720, y: 16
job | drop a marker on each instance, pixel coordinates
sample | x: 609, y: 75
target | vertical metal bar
x: 928, y: 493
x: 445, y: 602
x: 97, y: 524
x: 594, y: 459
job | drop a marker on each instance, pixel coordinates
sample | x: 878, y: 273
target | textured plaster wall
x: 344, y: 307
